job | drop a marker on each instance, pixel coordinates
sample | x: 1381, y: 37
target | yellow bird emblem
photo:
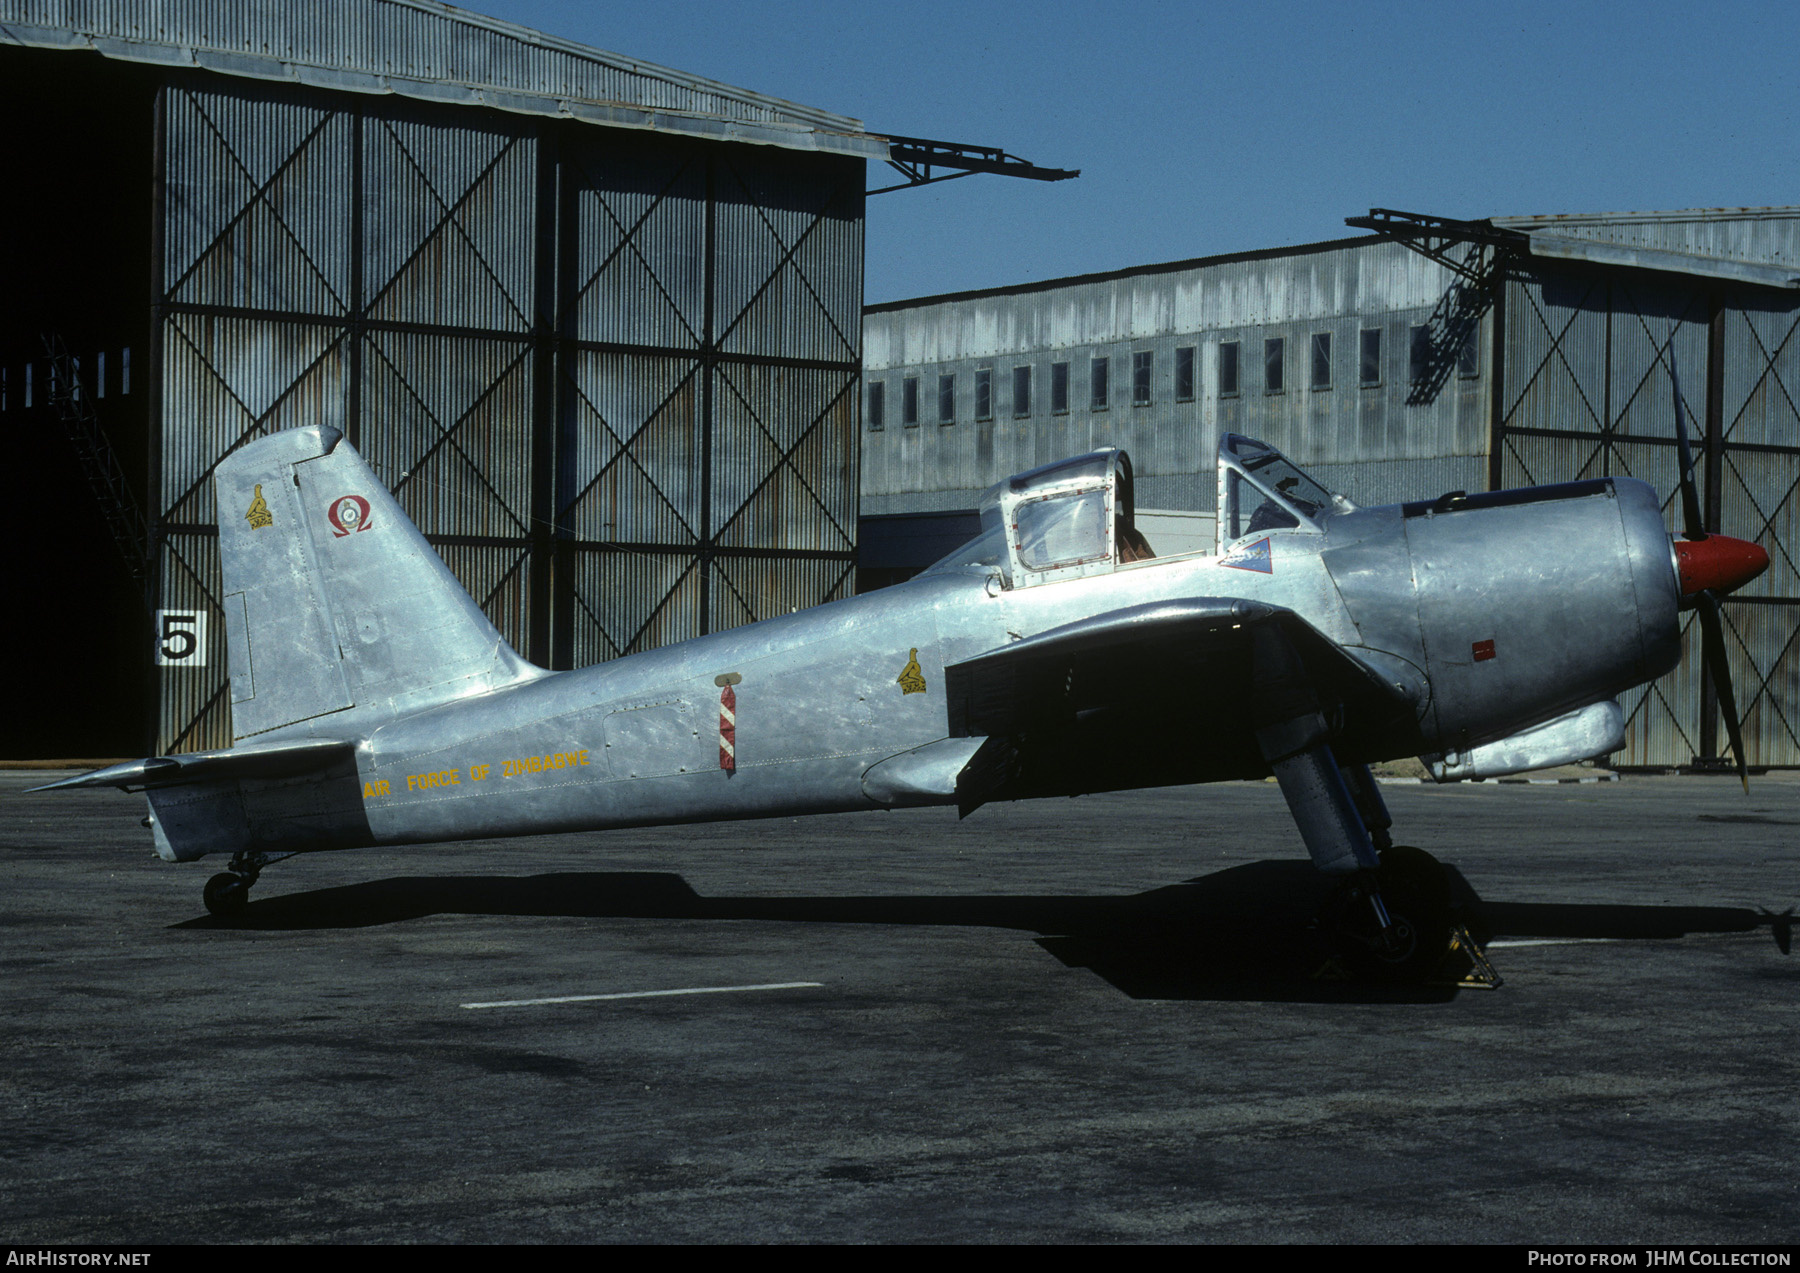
x: 911, y: 679
x: 258, y: 513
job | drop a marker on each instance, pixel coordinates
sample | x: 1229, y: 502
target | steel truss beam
x: 1435, y: 237
x: 917, y: 159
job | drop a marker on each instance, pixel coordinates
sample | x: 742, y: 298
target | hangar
x: 1429, y: 356
x: 595, y: 322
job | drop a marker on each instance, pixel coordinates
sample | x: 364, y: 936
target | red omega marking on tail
x: 348, y: 513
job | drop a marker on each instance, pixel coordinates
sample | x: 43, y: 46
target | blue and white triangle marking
x: 1251, y: 557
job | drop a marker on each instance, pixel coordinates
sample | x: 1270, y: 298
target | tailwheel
x: 226, y: 893
x: 1412, y: 890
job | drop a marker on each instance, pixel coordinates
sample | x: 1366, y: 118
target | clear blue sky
x: 1209, y: 127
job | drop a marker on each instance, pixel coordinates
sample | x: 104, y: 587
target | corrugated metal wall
x: 708, y: 395
x: 612, y: 378
x: 1371, y: 439
x: 1586, y: 393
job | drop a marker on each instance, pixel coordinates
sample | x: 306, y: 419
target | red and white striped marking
x: 728, y: 730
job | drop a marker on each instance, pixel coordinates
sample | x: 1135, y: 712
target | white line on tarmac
x: 647, y: 994
x: 1552, y: 941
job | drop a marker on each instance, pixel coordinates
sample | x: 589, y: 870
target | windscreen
x: 1277, y: 491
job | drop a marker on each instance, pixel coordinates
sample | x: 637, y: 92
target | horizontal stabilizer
x: 273, y: 760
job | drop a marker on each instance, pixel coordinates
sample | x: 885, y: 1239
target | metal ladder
x: 99, y: 465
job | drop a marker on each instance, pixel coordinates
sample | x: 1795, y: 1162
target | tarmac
x: 1100, y: 1020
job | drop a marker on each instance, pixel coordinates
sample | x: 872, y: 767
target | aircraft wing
x: 1168, y: 692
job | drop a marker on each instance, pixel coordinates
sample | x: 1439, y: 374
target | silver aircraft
x: 374, y: 703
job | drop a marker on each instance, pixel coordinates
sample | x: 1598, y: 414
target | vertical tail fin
x: 333, y: 600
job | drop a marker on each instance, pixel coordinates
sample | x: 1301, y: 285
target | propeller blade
x: 1712, y: 631
x: 1692, y: 523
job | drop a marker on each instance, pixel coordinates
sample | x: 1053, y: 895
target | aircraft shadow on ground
x: 1248, y: 932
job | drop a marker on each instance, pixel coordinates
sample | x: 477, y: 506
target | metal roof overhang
x: 1567, y: 248
x: 1547, y: 237
x: 797, y: 128
x: 795, y: 136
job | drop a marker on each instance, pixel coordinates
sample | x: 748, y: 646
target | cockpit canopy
x: 1261, y: 489
x: 1077, y: 517
x: 1061, y: 520
x: 1064, y: 520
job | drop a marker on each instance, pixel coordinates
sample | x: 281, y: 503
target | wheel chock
x: 1480, y: 974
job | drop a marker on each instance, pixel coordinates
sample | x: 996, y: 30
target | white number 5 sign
x: 181, y: 638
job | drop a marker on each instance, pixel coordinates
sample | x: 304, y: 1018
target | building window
x: 1059, y: 388
x: 1370, y: 368
x: 909, y: 400
x: 1228, y: 369
x: 1021, y: 390
x: 1321, y: 360
x: 1100, y: 392
x: 877, y: 405
x: 125, y: 370
x: 1418, y: 364
x: 1272, y: 351
x: 946, y: 399
x: 1143, y: 366
x: 1468, y: 358
x: 1184, y: 374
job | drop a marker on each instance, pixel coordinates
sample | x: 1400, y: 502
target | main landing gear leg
x: 1394, y: 909
x: 1416, y: 882
x: 1392, y: 914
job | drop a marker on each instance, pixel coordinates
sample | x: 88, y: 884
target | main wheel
x: 1415, y: 889
x: 1406, y: 868
x: 226, y: 893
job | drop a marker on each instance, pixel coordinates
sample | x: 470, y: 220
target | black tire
x: 1416, y: 892
x: 1404, y: 867
x: 226, y: 894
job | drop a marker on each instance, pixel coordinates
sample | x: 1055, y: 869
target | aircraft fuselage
x: 814, y: 699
